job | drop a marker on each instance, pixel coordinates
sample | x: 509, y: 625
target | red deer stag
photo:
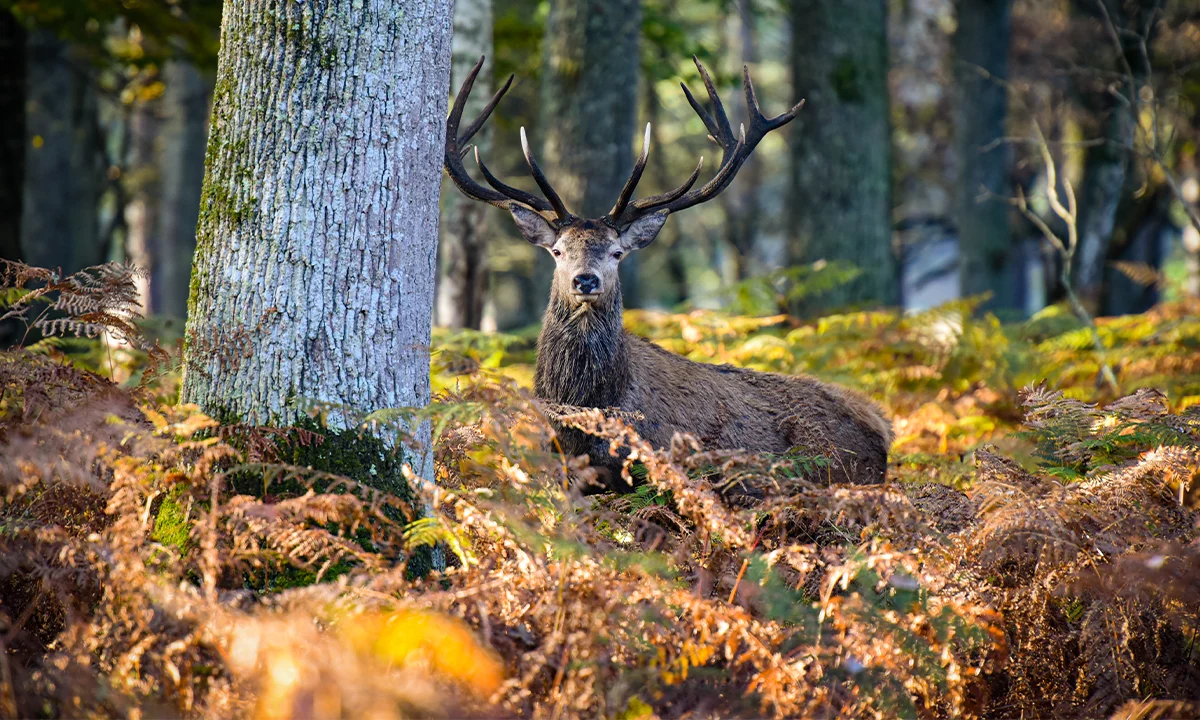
x: 586, y: 358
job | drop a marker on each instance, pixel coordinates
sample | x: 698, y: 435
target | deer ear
x: 534, y: 228
x: 643, y: 230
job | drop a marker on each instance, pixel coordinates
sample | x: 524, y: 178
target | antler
x: 735, y: 152
x: 564, y: 215
x: 456, y: 148
x: 455, y: 143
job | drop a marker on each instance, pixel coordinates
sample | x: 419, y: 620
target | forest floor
x: 1034, y: 553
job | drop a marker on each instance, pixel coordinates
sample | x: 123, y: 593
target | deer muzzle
x: 586, y: 287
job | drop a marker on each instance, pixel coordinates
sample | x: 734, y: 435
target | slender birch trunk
x: 316, y: 245
x: 742, y: 204
x: 142, y: 211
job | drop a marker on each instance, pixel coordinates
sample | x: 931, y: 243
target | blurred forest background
x: 914, y: 175
x: 1033, y: 553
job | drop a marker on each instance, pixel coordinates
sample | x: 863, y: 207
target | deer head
x: 587, y: 251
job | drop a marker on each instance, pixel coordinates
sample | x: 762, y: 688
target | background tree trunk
x: 981, y: 213
x: 164, y: 177
x: 674, y: 288
x: 1105, y: 173
x: 589, y: 104
x: 143, y: 185
x: 12, y: 133
x: 1146, y: 242
x: 1110, y: 106
x: 316, y: 245
x: 65, y: 163
x: 841, y: 147
x: 741, y: 200
x: 464, y: 278
x: 185, y: 106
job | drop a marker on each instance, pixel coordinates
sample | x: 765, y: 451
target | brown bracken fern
x: 154, y: 562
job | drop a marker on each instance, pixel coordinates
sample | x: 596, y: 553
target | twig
x: 1069, y: 214
x: 738, y: 581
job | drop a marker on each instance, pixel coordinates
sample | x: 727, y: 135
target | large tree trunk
x: 841, y: 146
x: 463, y: 246
x: 65, y: 166
x: 316, y: 246
x: 12, y: 134
x: 981, y: 211
x: 589, y: 101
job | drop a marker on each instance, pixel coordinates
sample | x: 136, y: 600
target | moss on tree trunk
x: 317, y: 236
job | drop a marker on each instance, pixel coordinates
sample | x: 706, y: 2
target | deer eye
x: 618, y: 254
x: 556, y: 251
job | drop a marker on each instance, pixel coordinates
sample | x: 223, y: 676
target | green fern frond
x: 429, y: 531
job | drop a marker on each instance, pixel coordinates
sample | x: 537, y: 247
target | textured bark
x: 463, y: 245
x: 981, y: 47
x: 316, y: 245
x: 841, y: 146
x: 12, y: 133
x: 589, y: 104
x: 65, y: 165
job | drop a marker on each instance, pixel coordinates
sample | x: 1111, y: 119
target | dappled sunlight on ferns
x: 1035, y: 552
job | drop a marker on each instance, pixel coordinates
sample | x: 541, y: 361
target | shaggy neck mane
x: 582, y: 358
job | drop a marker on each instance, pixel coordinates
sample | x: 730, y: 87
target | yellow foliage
x: 673, y: 663
x: 416, y: 637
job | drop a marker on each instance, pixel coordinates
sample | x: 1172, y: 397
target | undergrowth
x: 1035, y: 553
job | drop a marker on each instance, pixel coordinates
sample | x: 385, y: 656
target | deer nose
x: 587, y: 283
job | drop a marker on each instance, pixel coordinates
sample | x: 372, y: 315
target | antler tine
x: 517, y: 194
x: 631, y: 184
x: 484, y: 114
x: 737, y: 155
x: 654, y: 200
x: 560, y: 208
x: 759, y: 124
x: 718, y: 127
x: 454, y: 152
